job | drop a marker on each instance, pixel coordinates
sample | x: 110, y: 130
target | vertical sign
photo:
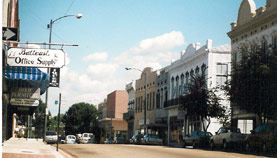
x: 54, y: 77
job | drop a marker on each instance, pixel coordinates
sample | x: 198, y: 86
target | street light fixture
x: 50, y: 26
x: 128, y: 68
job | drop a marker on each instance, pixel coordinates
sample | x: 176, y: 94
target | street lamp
x: 128, y: 68
x: 50, y: 26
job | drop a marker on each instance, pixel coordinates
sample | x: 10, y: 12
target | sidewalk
x: 30, y: 148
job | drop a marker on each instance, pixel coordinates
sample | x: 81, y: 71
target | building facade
x: 112, y: 121
x: 253, y: 26
x: 129, y: 115
x: 214, y: 62
x: 145, y: 101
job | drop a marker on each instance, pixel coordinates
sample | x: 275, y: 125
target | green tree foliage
x: 253, y: 81
x: 38, y: 121
x: 81, y: 118
x: 202, y: 102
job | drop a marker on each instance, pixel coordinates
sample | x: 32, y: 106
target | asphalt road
x: 142, y: 151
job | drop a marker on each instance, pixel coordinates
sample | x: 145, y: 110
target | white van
x: 87, y: 138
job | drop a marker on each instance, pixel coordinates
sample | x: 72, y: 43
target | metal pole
x: 46, y: 93
x: 59, y: 121
x: 145, y: 132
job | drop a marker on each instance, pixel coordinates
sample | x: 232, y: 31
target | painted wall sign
x: 25, y: 93
x: 24, y: 102
x: 45, y: 58
x: 25, y: 96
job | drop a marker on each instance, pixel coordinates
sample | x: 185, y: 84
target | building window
x: 221, y: 73
x: 197, y: 71
x: 150, y: 105
x: 153, y: 101
x: 158, y: 100
x: 172, y: 87
x: 177, y: 86
x: 147, y: 104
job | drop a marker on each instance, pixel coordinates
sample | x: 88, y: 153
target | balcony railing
x: 129, y: 115
x: 173, y: 102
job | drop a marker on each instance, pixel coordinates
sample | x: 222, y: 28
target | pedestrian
x: 16, y: 130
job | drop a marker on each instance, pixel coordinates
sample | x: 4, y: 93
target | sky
x: 114, y: 34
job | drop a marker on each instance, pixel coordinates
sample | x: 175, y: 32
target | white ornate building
x: 252, y: 26
x: 214, y: 62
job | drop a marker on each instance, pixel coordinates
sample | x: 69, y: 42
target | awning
x: 33, y: 75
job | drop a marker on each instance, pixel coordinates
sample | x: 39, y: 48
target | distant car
x: 136, y: 139
x: 70, y: 139
x: 151, y: 139
x: 119, y: 140
x: 108, y: 141
x: 51, y: 137
x: 197, y: 139
x: 263, y: 138
x: 226, y: 137
x: 87, y: 138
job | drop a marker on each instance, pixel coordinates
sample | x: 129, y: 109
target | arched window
x: 197, y: 70
x: 177, y: 87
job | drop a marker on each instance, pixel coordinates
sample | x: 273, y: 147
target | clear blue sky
x: 116, y: 26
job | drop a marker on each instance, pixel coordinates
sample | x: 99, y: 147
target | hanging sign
x: 31, y: 57
x: 54, y: 77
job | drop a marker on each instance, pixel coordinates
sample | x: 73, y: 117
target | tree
x: 81, y: 118
x: 253, y: 81
x: 202, y: 102
x: 38, y: 121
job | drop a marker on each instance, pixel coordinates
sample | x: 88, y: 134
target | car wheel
x: 225, y: 145
x: 247, y: 147
x: 194, y: 145
x: 264, y: 148
x: 212, y: 144
x: 184, y: 144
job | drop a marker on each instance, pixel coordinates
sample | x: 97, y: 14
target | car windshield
x: 262, y: 128
x: 50, y: 133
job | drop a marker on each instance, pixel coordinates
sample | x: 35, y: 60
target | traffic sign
x: 10, y: 33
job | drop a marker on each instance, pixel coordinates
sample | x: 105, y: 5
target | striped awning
x: 25, y: 73
x: 32, y: 75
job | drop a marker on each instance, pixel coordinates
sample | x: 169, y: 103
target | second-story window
x: 221, y: 73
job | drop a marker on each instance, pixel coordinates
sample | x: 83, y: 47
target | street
x: 142, y: 151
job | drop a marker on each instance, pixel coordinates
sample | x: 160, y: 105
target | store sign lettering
x: 46, y: 58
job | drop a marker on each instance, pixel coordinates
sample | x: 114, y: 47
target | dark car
x: 136, y: 139
x: 151, y: 139
x: 119, y: 140
x: 197, y: 139
x: 262, y: 138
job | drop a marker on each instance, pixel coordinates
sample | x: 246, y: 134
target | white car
x: 70, y: 139
x: 87, y: 138
x: 51, y: 137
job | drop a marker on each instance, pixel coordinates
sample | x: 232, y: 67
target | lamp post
x: 127, y: 68
x: 50, y: 26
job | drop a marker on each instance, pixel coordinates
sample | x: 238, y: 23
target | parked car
x: 70, y: 139
x: 51, y: 137
x: 136, y: 139
x: 262, y: 138
x: 87, y: 138
x: 197, y: 139
x: 226, y: 137
x: 151, y: 139
x: 108, y: 141
x: 78, y: 138
x: 119, y: 140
